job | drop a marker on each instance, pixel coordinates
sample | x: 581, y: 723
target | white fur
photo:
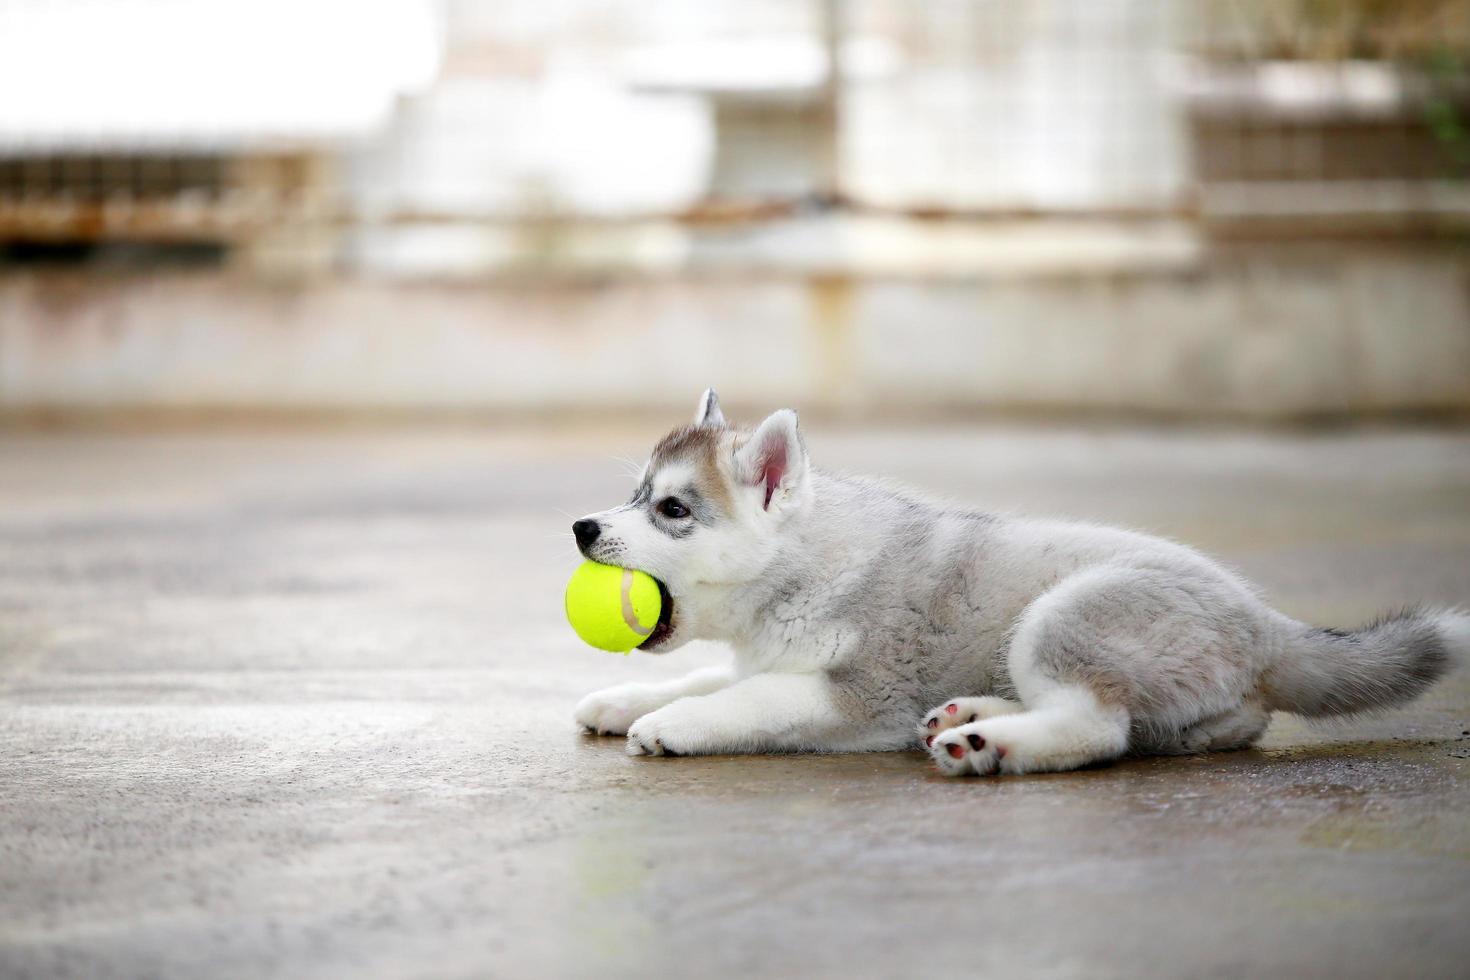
x: 1064, y: 729
x: 1456, y: 627
x: 763, y: 713
x: 613, y: 710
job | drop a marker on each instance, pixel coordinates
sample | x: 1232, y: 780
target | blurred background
x: 863, y: 208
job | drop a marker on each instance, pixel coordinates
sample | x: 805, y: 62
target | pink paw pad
x: 950, y: 709
x: 955, y: 750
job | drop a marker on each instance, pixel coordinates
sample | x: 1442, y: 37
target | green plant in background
x: 1448, y: 73
x: 1428, y: 41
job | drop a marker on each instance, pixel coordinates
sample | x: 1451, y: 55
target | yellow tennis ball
x: 612, y: 608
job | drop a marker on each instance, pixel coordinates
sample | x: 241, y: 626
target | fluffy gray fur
x: 856, y: 610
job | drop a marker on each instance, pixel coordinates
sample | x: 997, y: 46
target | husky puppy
x: 853, y: 608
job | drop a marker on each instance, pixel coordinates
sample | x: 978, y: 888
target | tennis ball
x: 612, y: 608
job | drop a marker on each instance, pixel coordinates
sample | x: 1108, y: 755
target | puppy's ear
x: 707, y: 413
x: 774, y: 459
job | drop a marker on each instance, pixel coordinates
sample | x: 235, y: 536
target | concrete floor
x: 299, y: 704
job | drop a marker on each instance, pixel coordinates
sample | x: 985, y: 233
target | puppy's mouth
x: 665, y: 626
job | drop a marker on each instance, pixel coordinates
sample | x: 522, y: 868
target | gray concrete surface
x: 299, y: 704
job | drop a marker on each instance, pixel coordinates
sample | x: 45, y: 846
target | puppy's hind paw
x: 963, y: 711
x: 967, y: 750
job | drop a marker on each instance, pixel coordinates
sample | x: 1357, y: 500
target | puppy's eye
x: 671, y: 507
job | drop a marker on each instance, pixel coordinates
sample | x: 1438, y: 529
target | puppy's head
x: 706, y: 515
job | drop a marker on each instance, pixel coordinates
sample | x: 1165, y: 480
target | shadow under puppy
x: 1047, y: 645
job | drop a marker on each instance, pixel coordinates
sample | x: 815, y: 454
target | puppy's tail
x: 1386, y: 663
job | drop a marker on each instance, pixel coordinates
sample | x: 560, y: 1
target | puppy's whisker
x: 631, y: 468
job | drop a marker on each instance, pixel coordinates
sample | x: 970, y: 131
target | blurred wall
x: 1260, y: 334
x: 1188, y: 207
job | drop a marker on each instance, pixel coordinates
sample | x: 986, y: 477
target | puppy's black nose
x: 586, y: 532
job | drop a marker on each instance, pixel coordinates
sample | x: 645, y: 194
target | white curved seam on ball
x: 629, y: 616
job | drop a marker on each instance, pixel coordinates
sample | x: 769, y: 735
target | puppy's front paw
x: 673, y: 730
x: 613, y: 711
